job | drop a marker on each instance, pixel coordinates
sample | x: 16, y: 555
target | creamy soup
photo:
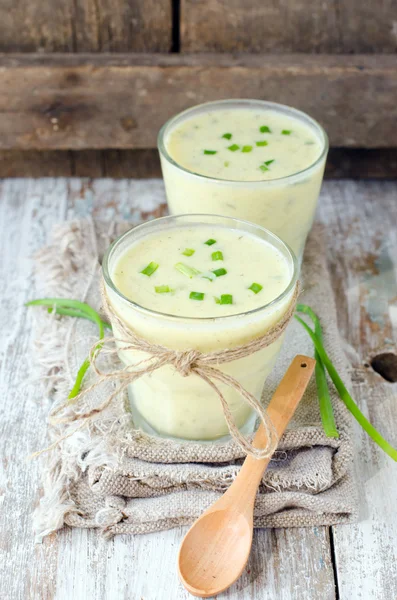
x: 200, y: 286
x: 246, y: 160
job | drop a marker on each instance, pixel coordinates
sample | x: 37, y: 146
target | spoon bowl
x: 224, y: 558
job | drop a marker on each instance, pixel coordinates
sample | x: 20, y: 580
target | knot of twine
x: 186, y: 362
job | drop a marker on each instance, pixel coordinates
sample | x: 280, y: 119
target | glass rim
x: 254, y: 182
x: 178, y: 318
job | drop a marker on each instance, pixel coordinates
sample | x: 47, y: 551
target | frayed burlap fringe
x: 110, y: 476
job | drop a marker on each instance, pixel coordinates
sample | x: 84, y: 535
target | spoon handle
x: 280, y: 410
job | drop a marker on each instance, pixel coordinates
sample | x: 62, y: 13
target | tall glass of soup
x: 254, y: 160
x: 206, y: 283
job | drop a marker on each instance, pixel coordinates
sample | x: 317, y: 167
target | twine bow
x: 186, y: 363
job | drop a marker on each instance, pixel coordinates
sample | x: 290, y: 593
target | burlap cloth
x: 119, y: 480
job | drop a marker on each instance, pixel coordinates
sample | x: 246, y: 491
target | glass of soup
x: 199, y: 282
x: 253, y: 160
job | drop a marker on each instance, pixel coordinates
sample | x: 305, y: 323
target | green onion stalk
x: 74, y: 308
x: 316, y: 337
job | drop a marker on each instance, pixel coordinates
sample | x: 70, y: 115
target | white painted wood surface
x: 294, y: 564
x: 362, y: 236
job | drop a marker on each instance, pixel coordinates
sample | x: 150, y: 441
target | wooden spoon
x: 216, y: 548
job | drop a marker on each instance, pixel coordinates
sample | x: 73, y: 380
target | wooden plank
x: 22, y: 163
x: 63, y: 101
x: 356, y: 163
x: 86, y: 26
x: 336, y: 26
x: 27, y: 211
x: 286, y: 564
x: 362, y: 234
x: 367, y: 26
x: 257, y: 26
x: 123, y: 25
x: 361, y: 163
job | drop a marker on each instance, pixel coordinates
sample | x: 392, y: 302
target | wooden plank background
x: 120, y: 101
x: 85, y: 26
x: 331, y: 26
x: 333, y: 59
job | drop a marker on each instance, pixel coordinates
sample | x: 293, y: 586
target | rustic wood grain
x: 286, y: 564
x: 361, y: 221
x: 356, y: 163
x: 123, y: 25
x: 367, y: 26
x: 255, y: 26
x: 85, y: 26
x: 336, y: 26
x: 121, y: 101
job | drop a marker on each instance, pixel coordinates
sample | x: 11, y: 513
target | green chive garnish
x: 264, y: 143
x: 255, y: 287
x: 219, y: 272
x: 186, y: 270
x: 233, y: 147
x: 162, y: 289
x: 210, y: 151
x: 264, y: 129
x: 188, y: 252
x: 226, y: 299
x: 246, y: 149
x: 208, y: 275
x: 210, y: 242
x: 227, y: 136
x: 286, y: 132
x: 226, y: 163
x: 269, y: 162
x: 264, y: 168
x: 150, y: 269
x: 196, y: 296
x: 217, y: 255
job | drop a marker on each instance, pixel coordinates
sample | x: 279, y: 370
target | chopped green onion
x: 286, y: 132
x: 226, y: 299
x: 196, y: 296
x: 210, y: 151
x: 246, y: 149
x: 150, y: 269
x: 217, y: 255
x: 341, y: 388
x: 255, y: 287
x: 226, y: 163
x: 264, y: 129
x: 188, y: 252
x: 219, y: 272
x: 233, y: 147
x: 269, y: 162
x: 208, y: 275
x: 264, y: 168
x: 162, y: 289
x: 186, y: 270
x: 227, y: 136
x: 263, y: 143
x: 210, y: 242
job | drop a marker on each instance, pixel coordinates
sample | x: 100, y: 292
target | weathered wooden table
x: 344, y: 562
